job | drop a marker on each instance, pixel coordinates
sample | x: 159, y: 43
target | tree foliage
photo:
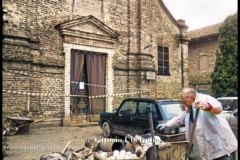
x: 224, y: 78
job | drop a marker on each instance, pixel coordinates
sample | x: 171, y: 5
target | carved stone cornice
x: 88, y: 27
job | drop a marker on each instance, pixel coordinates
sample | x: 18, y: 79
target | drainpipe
x: 128, y: 45
x: 102, y: 11
x: 138, y: 27
x: 73, y: 9
x: 182, y: 66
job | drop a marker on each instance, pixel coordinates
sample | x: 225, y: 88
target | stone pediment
x: 88, y: 27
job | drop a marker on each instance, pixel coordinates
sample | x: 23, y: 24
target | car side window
x: 128, y: 108
x: 143, y: 109
x: 235, y: 108
x: 227, y: 105
x: 235, y: 105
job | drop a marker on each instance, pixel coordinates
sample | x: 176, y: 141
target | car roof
x: 167, y: 100
x: 139, y: 98
x: 227, y: 98
x: 150, y: 99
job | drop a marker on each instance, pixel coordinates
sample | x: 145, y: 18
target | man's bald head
x: 188, y: 91
x: 188, y: 96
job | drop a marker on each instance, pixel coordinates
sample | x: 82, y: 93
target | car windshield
x: 171, y: 109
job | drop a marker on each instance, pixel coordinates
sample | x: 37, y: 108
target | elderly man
x: 213, y: 138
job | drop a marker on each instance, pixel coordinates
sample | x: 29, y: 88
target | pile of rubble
x: 132, y: 148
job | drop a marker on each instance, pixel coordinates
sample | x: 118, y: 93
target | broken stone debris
x: 134, y: 148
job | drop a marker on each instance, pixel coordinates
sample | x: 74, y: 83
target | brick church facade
x: 131, y: 45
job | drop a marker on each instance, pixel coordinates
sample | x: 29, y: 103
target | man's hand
x: 160, y: 127
x: 203, y: 105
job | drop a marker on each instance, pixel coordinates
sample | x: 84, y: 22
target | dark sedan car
x: 132, y: 117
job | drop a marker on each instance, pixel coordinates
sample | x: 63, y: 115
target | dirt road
x: 47, y: 140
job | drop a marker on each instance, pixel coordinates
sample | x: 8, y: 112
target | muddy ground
x: 44, y: 141
x: 47, y: 140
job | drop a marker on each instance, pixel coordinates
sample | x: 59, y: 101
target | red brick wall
x: 38, y: 50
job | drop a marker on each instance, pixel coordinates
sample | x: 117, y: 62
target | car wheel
x: 106, y: 130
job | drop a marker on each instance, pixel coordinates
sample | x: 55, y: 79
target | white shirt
x: 213, y: 135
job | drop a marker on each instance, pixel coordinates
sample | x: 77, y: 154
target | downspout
x: 102, y: 11
x: 139, y: 44
x: 128, y: 45
x: 182, y: 63
x: 73, y: 9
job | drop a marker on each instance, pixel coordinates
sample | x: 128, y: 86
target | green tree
x: 224, y: 78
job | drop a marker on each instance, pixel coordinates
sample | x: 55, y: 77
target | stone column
x: 184, y: 41
x: 109, y: 82
x: 185, y: 62
x: 67, y: 119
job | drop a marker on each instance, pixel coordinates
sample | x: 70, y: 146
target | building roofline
x: 176, y: 22
x: 205, y: 32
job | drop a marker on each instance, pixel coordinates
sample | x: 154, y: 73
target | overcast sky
x: 200, y: 13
